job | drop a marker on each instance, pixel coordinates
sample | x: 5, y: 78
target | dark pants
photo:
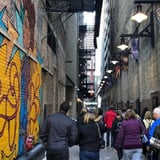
x: 86, y: 155
x: 109, y: 138
x: 58, y: 156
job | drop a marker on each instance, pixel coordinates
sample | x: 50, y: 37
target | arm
x: 72, y: 134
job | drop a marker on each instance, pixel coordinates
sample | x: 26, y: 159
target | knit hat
x: 64, y: 106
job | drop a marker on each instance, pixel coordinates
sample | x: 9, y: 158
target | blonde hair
x: 89, y: 116
x: 148, y: 115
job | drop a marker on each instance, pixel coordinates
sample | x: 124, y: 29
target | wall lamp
x: 123, y: 46
x: 148, y: 31
x: 140, y: 15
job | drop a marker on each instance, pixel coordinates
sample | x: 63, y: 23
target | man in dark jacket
x: 59, y: 132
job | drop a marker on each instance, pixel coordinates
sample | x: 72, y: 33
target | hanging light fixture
x: 114, y: 61
x: 139, y: 16
x: 109, y: 69
x: 122, y: 45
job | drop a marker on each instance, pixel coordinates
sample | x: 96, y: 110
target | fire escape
x: 86, y: 61
x: 87, y: 39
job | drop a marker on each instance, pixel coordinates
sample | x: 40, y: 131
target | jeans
x: 58, y: 156
x: 109, y: 138
x: 86, y: 155
x: 132, y: 154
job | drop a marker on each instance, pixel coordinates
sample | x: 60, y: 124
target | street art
x: 20, y: 81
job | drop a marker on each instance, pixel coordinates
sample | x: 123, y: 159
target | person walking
x: 147, y: 121
x: 129, y: 137
x: 89, y: 138
x: 109, y: 117
x: 59, y: 132
x: 116, y: 128
x: 153, y: 133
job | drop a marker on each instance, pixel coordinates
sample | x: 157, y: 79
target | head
x: 111, y: 107
x: 130, y: 114
x: 64, y: 107
x: 89, y: 117
x: 119, y: 114
x: 148, y: 115
x: 98, y: 112
x: 83, y: 111
x: 156, y: 113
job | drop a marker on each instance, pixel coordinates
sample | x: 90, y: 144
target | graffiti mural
x: 20, y: 80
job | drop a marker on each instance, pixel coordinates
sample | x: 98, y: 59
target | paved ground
x: 105, y: 154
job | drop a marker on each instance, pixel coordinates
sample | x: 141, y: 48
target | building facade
x: 35, y: 77
x: 138, y: 81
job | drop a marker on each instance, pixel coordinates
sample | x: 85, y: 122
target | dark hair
x: 64, y: 106
x: 130, y: 113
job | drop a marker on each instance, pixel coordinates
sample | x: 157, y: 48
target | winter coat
x: 148, y: 123
x: 59, y: 132
x: 129, y: 136
x: 109, y: 117
x: 152, y: 128
x: 89, y: 137
x: 116, y: 126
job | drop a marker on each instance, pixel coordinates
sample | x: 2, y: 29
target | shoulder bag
x: 101, y: 140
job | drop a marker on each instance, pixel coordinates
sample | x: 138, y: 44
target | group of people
x: 123, y: 133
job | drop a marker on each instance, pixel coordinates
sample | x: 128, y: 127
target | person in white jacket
x: 148, y: 120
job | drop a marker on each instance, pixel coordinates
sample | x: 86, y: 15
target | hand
x: 148, y: 148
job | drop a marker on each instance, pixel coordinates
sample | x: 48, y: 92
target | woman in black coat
x: 89, y: 138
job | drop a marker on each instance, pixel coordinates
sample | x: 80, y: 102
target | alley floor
x: 105, y: 154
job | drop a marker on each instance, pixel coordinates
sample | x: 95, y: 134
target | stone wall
x: 142, y: 78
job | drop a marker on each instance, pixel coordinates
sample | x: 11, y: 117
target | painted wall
x: 20, y: 77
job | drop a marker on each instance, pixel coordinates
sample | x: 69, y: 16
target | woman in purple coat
x: 129, y: 137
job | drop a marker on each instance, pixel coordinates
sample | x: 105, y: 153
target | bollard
x: 37, y: 153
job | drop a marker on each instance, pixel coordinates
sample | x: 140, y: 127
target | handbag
x: 155, y: 142
x: 101, y: 140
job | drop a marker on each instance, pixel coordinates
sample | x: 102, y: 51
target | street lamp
x: 123, y: 46
x: 148, y: 31
x: 139, y: 16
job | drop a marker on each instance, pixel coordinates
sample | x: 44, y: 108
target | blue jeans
x: 86, y: 155
x: 132, y: 154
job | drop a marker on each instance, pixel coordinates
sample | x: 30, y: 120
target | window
x: 51, y: 40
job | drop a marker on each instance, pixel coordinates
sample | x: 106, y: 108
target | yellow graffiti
x: 34, y: 101
x: 9, y: 104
